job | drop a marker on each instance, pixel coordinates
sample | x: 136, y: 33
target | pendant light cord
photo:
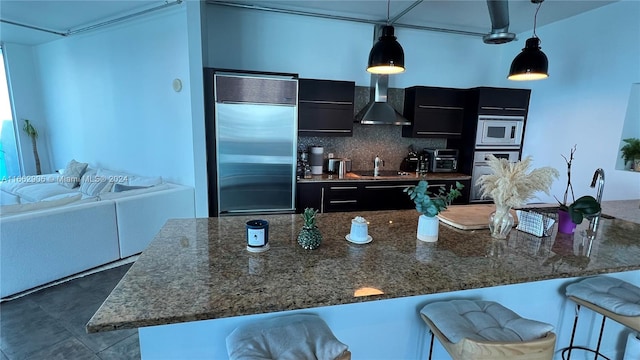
x: 388, y: 7
x: 535, y: 19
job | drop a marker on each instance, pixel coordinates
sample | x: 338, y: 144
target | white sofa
x: 68, y: 233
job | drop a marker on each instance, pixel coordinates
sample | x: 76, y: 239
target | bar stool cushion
x: 295, y: 337
x: 482, y: 321
x: 614, y: 295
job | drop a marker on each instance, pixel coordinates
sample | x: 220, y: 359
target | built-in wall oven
x: 499, y: 132
x: 481, y: 167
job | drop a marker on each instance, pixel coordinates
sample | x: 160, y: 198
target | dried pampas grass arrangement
x: 511, y: 185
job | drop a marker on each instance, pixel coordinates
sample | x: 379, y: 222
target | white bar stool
x: 610, y: 297
x: 288, y: 337
x: 486, y: 330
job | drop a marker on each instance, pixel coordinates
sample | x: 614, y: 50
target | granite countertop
x: 198, y: 269
x: 410, y: 176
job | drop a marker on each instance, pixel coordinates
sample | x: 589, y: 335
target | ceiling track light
x: 386, y: 55
x: 531, y: 63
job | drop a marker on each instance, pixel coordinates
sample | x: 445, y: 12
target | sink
x: 383, y: 173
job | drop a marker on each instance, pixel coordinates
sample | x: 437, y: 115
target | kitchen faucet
x: 599, y: 174
x: 598, y: 177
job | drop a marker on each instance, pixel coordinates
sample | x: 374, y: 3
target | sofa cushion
x: 93, y: 185
x: 8, y: 199
x: 144, y: 181
x: 112, y: 177
x: 132, y: 192
x: 39, y: 192
x: 122, y: 187
x: 46, y: 204
x: 72, y: 174
x: 14, y: 184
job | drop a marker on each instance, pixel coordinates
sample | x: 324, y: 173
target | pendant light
x: 531, y: 63
x: 386, y: 56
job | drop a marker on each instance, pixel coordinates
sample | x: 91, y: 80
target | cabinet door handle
x: 343, y: 201
x: 492, y: 107
x: 436, y: 185
x: 343, y: 188
x: 515, y: 109
x: 437, y: 133
x: 440, y: 107
x: 322, y: 200
x: 325, y: 130
x: 386, y: 186
x: 325, y: 102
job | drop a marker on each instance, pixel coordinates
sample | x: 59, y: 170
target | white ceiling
x: 459, y: 15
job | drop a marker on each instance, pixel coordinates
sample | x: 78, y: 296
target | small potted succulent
x: 569, y: 215
x: 429, y: 205
x: 310, y: 236
x: 631, y: 153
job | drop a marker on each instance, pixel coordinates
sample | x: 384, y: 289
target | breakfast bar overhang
x: 196, y: 282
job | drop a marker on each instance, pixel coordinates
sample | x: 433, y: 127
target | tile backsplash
x: 368, y: 141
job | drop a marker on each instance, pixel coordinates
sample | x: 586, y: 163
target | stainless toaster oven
x: 443, y: 160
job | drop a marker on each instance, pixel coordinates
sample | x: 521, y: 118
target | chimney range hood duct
x: 379, y: 112
x: 499, y: 13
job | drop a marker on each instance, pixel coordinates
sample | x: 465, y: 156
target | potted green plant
x: 569, y: 215
x: 33, y: 135
x: 631, y: 153
x: 430, y: 204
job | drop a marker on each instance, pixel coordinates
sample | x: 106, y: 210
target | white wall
x: 583, y: 102
x: 593, y: 60
x: 311, y: 47
x: 26, y: 95
x: 109, y: 99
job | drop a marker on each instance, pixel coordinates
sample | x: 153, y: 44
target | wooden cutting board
x: 470, y: 217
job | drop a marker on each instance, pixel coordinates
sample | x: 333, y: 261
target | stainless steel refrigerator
x: 256, y: 141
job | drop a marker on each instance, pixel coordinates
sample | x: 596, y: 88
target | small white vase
x: 428, y: 228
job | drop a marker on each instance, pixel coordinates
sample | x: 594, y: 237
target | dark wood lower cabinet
x: 336, y: 196
x: 309, y: 195
x: 342, y: 197
x: 386, y: 196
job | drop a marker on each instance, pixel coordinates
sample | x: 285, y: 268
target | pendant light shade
x: 531, y: 63
x: 386, y: 56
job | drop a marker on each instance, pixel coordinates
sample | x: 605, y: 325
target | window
x: 9, y: 163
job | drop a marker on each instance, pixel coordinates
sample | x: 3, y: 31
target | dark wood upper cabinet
x: 325, y: 107
x: 434, y: 112
x: 500, y: 101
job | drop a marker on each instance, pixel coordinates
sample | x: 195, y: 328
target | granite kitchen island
x: 196, y: 282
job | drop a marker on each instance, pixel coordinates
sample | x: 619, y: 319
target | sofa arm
x: 140, y: 217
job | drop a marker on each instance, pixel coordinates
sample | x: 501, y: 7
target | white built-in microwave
x: 499, y: 132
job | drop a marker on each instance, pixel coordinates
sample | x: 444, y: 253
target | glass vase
x: 500, y: 222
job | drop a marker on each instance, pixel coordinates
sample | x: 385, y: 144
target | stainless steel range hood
x: 379, y: 112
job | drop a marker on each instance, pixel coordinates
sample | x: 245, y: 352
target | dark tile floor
x: 50, y: 323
